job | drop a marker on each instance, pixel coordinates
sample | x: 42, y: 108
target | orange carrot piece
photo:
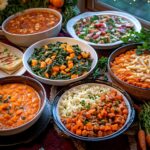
x: 142, y: 139
x: 148, y: 139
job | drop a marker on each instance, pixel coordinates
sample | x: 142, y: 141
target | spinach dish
x: 60, y: 61
x: 102, y: 29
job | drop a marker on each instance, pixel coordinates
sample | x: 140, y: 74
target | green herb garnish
x: 94, y: 18
x: 88, y: 106
x: 86, y: 121
x: 142, y: 37
x: 101, y: 68
x: 82, y: 102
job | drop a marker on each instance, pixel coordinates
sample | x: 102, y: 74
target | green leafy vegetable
x: 142, y: 37
x: 59, y: 54
x: 69, y: 10
x: 94, y: 18
x: 83, y: 102
x: 88, y: 106
x: 144, y: 117
x: 101, y: 68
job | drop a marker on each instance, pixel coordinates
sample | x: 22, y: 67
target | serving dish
x: 28, y: 39
x: 139, y: 93
x: 31, y: 133
x: 71, y: 23
x: 70, y: 41
x: 64, y: 94
x: 16, y: 51
x: 20, y: 126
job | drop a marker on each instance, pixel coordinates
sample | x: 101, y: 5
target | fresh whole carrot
x: 144, y: 118
x: 137, y: 108
x: 148, y: 139
x: 142, y: 139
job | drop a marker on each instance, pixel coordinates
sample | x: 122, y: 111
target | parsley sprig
x: 100, y: 68
x: 142, y: 37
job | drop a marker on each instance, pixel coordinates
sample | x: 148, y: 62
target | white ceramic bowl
x: 28, y: 39
x: 130, y: 18
x: 70, y: 41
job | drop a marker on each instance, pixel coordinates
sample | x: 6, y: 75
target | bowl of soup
x: 31, y: 25
x: 22, y: 101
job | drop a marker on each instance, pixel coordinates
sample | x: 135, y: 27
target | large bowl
x: 28, y: 39
x: 70, y: 41
x: 127, y: 100
x: 73, y: 21
x: 138, y: 93
x: 40, y: 90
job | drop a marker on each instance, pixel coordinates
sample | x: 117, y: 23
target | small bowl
x: 40, y: 90
x: 70, y: 41
x: 73, y: 21
x: 138, y: 93
x: 127, y: 100
x: 26, y: 40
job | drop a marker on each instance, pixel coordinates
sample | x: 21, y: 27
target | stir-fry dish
x: 101, y: 29
x: 19, y: 103
x: 60, y: 61
x: 133, y: 69
x: 93, y: 110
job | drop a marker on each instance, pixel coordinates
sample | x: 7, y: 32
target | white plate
x: 72, y: 22
x: 19, y: 53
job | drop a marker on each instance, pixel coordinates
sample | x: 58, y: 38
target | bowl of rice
x: 93, y: 110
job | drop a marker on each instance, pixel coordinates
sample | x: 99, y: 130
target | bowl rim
x: 26, y: 11
x: 69, y: 133
x: 109, y: 68
x: 59, y: 38
x: 125, y: 15
x: 41, y: 108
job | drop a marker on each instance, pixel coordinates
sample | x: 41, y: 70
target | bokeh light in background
x: 139, y: 8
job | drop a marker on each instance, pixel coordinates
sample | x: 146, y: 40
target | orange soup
x: 19, y: 103
x: 32, y: 22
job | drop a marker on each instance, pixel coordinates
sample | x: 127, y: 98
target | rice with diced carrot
x: 92, y: 110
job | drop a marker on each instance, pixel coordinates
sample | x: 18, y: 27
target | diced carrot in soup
x: 17, y: 105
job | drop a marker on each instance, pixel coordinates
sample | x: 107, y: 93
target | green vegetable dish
x: 102, y: 29
x: 60, y: 61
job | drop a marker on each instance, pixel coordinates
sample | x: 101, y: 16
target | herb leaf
x: 142, y: 37
x: 101, y: 67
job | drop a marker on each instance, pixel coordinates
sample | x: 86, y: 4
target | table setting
x: 71, y: 80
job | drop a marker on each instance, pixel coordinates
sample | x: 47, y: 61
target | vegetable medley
x: 60, y: 61
x: 102, y: 29
x: 87, y: 112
